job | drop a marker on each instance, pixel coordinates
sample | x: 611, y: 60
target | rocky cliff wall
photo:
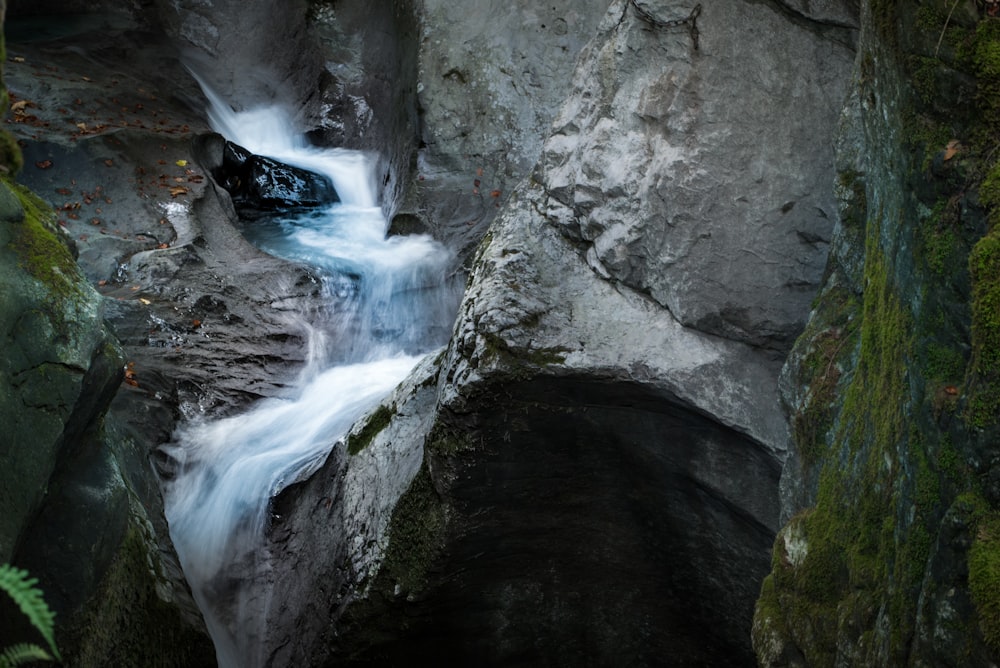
x: 888, y: 556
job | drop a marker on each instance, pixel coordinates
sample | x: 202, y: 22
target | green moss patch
x: 40, y: 250
x: 984, y: 368
x: 984, y: 577
x: 377, y: 421
x: 832, y: 336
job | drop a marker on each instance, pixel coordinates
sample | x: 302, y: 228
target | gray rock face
x: 696, y: 177
x: 490, y: 77
x: 342, y: 513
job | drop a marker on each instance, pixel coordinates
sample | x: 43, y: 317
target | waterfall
x: 230, y: 468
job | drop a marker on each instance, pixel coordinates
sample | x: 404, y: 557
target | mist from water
x: 400, y: 307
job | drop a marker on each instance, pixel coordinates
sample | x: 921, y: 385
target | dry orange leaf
x: 953, y: 147
x: 130, y: 375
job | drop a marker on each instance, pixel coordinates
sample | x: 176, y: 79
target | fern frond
x: 22, y: 589
x: 15, y: 655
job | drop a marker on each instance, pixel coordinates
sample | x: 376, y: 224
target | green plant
x: 28, y: 598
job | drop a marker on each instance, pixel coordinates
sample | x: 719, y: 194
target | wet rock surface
x: 259, y: 185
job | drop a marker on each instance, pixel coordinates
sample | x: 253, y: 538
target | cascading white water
x: 230, y: 468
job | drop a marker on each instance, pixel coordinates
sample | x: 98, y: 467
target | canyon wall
x: 888, y: 556
x: 721, y: 387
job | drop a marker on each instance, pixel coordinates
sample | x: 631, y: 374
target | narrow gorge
x: 592, y: 332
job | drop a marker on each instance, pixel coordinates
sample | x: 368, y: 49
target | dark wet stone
x: 259, y: 184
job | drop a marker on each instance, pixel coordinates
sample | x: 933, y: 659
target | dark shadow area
x: 591, y: 524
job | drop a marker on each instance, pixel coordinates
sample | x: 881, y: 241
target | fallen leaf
x: 196, y: 323
x: 19, y: 106
x: 102, y: 282
x: 109, y: 162
x: 144, y: 301
x: 181, y: 163
x: 953, y: 147
x: 82, y: 126
x: 494, y: 193
x: 178, y: 190
x: 130, y: 375
x: 43, y: 164
x: 951, y: 389
x: 163, y: 245
x: 18, y: 59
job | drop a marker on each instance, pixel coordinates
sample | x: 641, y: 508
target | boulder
x: 261, y: 185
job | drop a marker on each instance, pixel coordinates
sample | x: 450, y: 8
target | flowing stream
x: 398, y: 307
